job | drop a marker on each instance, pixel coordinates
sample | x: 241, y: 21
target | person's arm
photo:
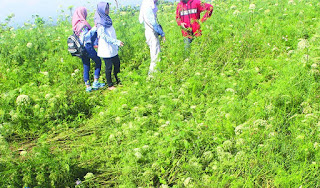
x: 178, y: 17
x: 101, y: 34
x: 151, y: 19
x: 205, y: 7
x: 91, y: 32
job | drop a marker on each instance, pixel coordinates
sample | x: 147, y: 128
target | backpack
x: 75, y: 47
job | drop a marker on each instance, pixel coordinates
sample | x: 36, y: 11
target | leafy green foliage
x: 240, y: 110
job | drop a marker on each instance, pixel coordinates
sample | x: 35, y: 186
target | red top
x: 189, y: 13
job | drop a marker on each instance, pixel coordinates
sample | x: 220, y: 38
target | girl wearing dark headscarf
x: 108, y: 43
x: 86, y: 35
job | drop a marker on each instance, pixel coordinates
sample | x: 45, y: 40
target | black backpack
x: 75, y: 47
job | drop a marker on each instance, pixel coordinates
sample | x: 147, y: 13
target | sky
x: 24, y: 9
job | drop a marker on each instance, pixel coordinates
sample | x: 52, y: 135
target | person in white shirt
x: 148, y: 16
x: 108, y: 44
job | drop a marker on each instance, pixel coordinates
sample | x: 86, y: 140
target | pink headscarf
x: 79, y: 20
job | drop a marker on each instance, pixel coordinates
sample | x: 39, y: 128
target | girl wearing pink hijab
x: 87, y: 36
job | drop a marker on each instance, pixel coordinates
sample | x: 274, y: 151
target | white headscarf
x: 145, y: 5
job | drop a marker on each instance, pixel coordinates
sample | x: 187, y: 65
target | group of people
x: 187, y: 16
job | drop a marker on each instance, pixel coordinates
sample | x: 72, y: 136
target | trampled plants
x: 240, y: 110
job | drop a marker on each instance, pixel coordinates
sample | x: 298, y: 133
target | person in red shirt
x: 188, y: 17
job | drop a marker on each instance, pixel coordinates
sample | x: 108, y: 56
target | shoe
x: 96, y: 85
x: 111, y: 88
x: 88, y: 89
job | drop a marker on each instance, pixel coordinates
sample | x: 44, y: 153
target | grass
x: 241, y: 110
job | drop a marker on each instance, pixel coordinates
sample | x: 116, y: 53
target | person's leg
x: 93, y: 55
x: 108, y: 63
x: 154, y: 45
x: 86, y: 69
x: 116, y: 67
x: 187, y: 42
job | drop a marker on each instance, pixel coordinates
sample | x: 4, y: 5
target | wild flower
x: 238, y: 129
x: 44, y: 73
x: 252, y: 6
x: 23, y: 153
x: 300, y: 137
x: 236, y: 12
x: 208, y: 155
x: 291, y: 2
x: 29, y: 45
x: 290, y: 52
x: 233, y: 7
x: 314, y: 66
x: 260, y: 123
x: 23, y: 100
x: 138, y: 155
x: 117, y: 119
x: 186, y: 181
x: 227, y: 145
x: 267, y: 11
x: 111, y: 137
x: 240, y: 156
x: 146, y: 147
x: 78, y: 182
x: 303, y: 43
x: 89, y: 175
x: 230, y: 90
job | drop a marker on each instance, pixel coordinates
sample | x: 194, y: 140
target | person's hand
x: 121, y: 44
x: 183, y: 25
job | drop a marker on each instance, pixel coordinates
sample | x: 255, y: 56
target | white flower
x: 314, y: 66
x: 208, y: 155
x: 186, y: 181
x: 267, y: 11
x: 238, y: 129
x: 233, y: 7
x: 291, y: 2
x: 138, y: 155
x: 236, y: 12
x: 260, y: 122
x: 117, y: 119
x: 61, y: 60
x: 23, y: 100
x: 89, y: 175
x: 23, y: 153
x: 252, y: 6
x: 227, y: 145
x: 230, y: 90
x: 76, y: 71
x: 45, y: 73
x: 303, y: 43
x: 29, y: 45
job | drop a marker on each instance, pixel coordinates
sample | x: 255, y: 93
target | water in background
x: 25, y: 10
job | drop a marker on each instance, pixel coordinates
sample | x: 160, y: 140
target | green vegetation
x: 241, y: 110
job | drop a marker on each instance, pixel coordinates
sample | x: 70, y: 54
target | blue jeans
x: 86, y: 63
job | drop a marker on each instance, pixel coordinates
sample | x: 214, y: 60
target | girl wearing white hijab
x: 148, y: 16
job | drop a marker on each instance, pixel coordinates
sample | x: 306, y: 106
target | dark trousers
x: 115, y: 61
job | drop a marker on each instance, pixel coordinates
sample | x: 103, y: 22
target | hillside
x: 241, y: 109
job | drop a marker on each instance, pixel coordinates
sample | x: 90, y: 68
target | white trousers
x: 154, y: 45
